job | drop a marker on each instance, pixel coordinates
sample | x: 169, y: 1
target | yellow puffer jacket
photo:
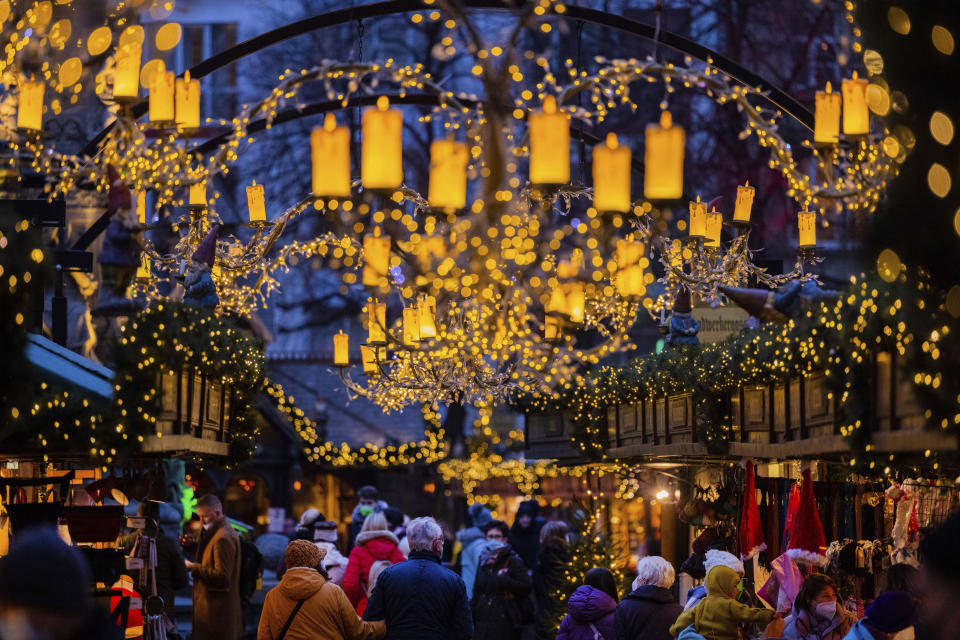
x: 718, y: 616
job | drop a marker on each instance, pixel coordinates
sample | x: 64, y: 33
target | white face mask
x: 208, y: 525
x: 827, y: 610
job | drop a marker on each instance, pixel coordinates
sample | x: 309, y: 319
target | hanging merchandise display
x: 751, y: 530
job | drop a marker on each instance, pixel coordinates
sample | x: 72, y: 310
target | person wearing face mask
x: 817, y: 613
x: 367, y: 503
x: 502, y: 606
x: 217, y: 610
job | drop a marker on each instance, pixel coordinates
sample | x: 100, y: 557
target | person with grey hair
x: 647, y: 612
x: 419, y: 599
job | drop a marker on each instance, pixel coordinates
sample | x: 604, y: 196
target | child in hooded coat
x: 590, y: 608
x: 718, y: 615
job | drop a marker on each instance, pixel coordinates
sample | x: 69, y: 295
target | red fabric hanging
x: 751, y: 529
x: 807, y: 542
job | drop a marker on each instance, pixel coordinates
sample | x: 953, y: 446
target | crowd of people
x: 404, y: 579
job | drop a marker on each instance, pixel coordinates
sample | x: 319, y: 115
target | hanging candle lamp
x: 197, y: 194
x: 376, y: 322
x: 807, y: 227
x: 330, y: 155
x: 161, y: 98
x: 143, y: 271
x: 663, y: 168
x: 856, y: 114
x: 141, y: 207
x: 126, y: 72
x: 30, y: 105
x: 744, y: 204
x: 551, y: 328
x: 549, y: 145
x: 447, y: 188
x: 576, y: 302
x: 411, y: 327
x: 826, y: 117
x: 381, y: 151
x: 256, y: 205
x: 187, y: 102
x: 376, y: 258
x: 341, y: 349
x: 428, y: 314
x: 714, y: 229
x: 611, y: 176
x: 369, y: 356
x: 698, y: 219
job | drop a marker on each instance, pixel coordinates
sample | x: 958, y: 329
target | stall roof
x: 68, y: 367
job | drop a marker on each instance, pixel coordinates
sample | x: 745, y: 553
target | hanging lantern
x: 126, y: 72
x: 663, y: 168
x: 629, y: 278
x: 371, y: 356
x: 714, y: 229
x: 698, y: 219
x: 551, y: 328
x: 143, y: 271
x: 376, y: 258
x: 341, y: 349
x: 557, y: 302
x: 30, y: 105
x: 161, y: 95
x: 549, y: 145
x: 411, y: 327
x: 188, y: 102
x: 576, y: 302
x: 826, y: 118
x: 611, y: 176
x: 448, y: 174
x: 428, y: 314
x: 141, y: 207
x: 330, y: 153
x: 256, y: 206
x: 381, y: 151
x: 744, y: 204
x: 198, y: 194
x: 376, y: 322
x: 856, y: 114
x: 807, y: 227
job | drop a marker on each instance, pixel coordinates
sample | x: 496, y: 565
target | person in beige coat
x: 217, y: 612
x: 325, y: 612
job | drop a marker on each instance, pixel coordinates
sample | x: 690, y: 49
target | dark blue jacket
x: 646, y: 613
x: 420, y: 600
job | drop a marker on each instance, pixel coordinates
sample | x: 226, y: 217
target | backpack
x: 375, y: 570
x: 251, y: 570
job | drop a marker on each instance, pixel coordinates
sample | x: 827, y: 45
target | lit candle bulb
x: 376, y: 258
x: 744, y: 204
x: 663, y: 168
x: 376, y: 322
x: 856, y: 114
x: 448, y: 174
x: 428, y: 314
x: 126, y: 72
x: 161, y: 95
x: 341, y: 349
x: 630, y: 264
x: 807, y: 227
x: 698, y: 219
x: 198, y: 194
x: 551, y: 328
x: 330, y: 153
x: 549, y: 145
x: 576, y: 302
x: 142, y: 207
x: 143, y: 271
x: 188, y: 102
x: 611, y: 176
x: 370, y: 356
x: 256, y: 205
x: 30, y: 105
x: 411, y: 327
x: 826, y: 117
x: 381, y: 150
x: 714, y: 229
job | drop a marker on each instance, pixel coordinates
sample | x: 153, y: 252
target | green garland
x: 907, y: 316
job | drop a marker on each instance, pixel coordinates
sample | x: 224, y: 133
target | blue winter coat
x: 646, y: 613
x: 420, y: 600
x: 588, y: 606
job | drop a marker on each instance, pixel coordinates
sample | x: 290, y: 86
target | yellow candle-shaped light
x: 628, y: 253
x: 630, y: 282
x: 188, y: 102
x: 198, y: 194
x: 330, y: 152
x: 551, y: 328
x: 663, y: 170
x: 856, y: 114
x: 30, y: 105
x: 428, y: 315
x: 341, y: 349
x: 714, y: 229
x: 143, y: 271
x: 549, y: 144
x: 807, y: 226
x: 611, y: 176
x: 411, y: 327
x: 126, y: 72
x: 161, y: 95
x: 369, y: 356
x: 376, y: 258
x: 744, y: 204
x: 448, y: 174
x: 557, y: 303
x: 376, y: 322
x: 698, y: 219
x: 142, y: 207
x: 676, y: 254
x: 826, y: 116
x: 576, y: 302
x: 256, y: 204
x: 630, y: 264
x: 381, y: 151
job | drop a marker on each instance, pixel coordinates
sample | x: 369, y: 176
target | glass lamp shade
x: 376, y: 322
x: 663, y: 168
x: 188, y: 102
x: 381, y: 151
x: 428, y: 315
x: 549, y: 145
x: 126, y: 73
x: 744, y: 204
x: 330, y: 156
x: 826, y: 123
x: 411, y: 327
x: 698, y: 219
x: 807, y: 227
x: 341, y: 349
x: 611, y: 176
x: 161, y: 96
x: 714, y: 229
x: 30, y: 105
x: 448, y: 174
x: 856, y: 113
x: 376, y: 259
x: 256, y: 204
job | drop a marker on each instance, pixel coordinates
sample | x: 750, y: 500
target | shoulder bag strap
x: 293, y: 614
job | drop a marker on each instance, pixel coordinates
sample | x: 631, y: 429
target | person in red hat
x: 199, y: 288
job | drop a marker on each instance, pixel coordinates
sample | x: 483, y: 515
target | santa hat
x: 806, y: 540
x: 119, y: 192
x: 682, y: 302
x: 718, y: 558
x: 751, y: 531
x: 207, y: 251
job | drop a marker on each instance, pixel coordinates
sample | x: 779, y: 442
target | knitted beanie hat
x: 42, y: 572
x: 303, y: 553
x: 892, y: 611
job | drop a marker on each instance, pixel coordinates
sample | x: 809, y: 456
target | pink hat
x: 207, y: 251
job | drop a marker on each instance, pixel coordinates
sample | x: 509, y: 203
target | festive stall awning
x: 54, y: 362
